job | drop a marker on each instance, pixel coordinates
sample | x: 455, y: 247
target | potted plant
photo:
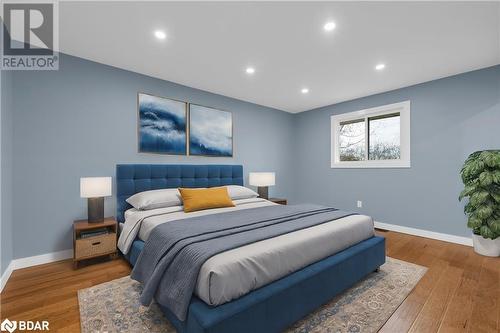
x: 481, y: 177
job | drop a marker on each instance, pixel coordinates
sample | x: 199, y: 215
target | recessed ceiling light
x: 329, y: 26
x: 250, y: 70
x: 160, y: 34
x: 304, y: 91
x: 380, y: 67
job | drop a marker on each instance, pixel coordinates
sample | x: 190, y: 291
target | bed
x: 269, y: 303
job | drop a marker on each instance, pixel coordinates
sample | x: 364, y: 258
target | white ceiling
x: 209, y: 45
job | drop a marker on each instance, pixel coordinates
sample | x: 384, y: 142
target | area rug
x: 114, y: 306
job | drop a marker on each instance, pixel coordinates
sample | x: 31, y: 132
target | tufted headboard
x: 134, y: 178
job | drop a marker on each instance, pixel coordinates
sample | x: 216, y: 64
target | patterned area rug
x: 114, y: 306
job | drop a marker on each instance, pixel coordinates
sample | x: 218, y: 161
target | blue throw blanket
x: 172, y: 257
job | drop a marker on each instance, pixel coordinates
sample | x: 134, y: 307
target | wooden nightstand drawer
x: 92, y: 240
x: 95, y: 246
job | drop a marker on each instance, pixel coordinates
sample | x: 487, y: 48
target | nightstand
x: 278, y: 201
x: 91, y: 240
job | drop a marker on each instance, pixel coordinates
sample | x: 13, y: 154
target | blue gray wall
x: 450, y: 118
x: 82, y: 120
x: 6, y: 135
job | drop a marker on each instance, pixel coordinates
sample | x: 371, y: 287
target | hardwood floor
x: 459, y: 293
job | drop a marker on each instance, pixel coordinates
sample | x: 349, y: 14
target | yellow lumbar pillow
x: 205, y: 198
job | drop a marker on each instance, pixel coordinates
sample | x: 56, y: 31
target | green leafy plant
x: 481, y: 177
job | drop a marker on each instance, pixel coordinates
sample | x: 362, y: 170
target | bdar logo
x: 24, y: 325
x: 8, y: 325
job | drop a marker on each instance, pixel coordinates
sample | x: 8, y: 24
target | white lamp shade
x: 262, y: 178
x: 95, y: 187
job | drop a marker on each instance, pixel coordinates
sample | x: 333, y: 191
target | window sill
x: 372, y: 165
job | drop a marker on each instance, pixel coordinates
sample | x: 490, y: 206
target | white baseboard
x: 425, y: 233
x: 6, y: 275
x: 33, y: 261
x: 66, y: 254
x: 42, y: 259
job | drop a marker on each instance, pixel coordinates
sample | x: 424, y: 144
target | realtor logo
x: 29, y: 36
x: 8, y: 325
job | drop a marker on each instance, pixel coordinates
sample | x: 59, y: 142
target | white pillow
x: 153, y: 199
x: 237, y: 192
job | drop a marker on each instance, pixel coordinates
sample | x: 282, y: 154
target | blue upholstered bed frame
x: 273, y: 307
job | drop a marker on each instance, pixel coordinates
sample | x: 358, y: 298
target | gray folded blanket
x: 169, y: 264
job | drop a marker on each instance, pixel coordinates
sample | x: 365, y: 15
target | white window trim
x: 404, y: 110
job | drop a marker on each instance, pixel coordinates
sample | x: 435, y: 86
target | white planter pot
x: 486, y: 247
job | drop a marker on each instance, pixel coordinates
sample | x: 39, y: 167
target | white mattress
x: 231, y: 274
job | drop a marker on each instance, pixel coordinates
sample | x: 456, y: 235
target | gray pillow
x: 237, y: 192
x: 153, y: 199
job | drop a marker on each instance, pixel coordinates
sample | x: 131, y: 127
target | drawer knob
x: 96, y: 243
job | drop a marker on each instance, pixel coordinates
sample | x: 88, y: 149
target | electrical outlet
x: 360, y: 204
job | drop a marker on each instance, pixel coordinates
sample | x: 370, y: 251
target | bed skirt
x: 277, y: 305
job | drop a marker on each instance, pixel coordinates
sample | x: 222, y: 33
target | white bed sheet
x: 234, y: 273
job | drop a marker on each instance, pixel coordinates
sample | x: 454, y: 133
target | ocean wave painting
x: 210, y: 131
x: 162, y: 125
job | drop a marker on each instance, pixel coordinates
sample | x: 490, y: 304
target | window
x: 372, y: 138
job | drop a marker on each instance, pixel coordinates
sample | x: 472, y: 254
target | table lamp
x: 95, y: 189
x: 262, y: 180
